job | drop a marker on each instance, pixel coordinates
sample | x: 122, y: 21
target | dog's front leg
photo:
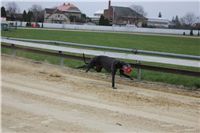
x: 113, y: 79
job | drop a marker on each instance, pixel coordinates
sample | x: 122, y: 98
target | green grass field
x: 179, y: 45
x: 143, y: 42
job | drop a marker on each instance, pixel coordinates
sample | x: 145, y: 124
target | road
x: 40, y: 97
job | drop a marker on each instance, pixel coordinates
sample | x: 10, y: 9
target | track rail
x: 78, y: 57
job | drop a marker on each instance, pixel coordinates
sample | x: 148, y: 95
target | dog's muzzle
x: 127, y: 69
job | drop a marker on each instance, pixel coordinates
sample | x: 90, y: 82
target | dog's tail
x: 86, y: 63
x: 84, y: 59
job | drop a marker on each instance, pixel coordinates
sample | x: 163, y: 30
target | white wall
x: 113, y: 28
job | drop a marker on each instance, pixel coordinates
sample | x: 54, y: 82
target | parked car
x: 35, y: 25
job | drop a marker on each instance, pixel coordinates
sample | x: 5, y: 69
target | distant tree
x: 189, y: 19
x: 139, y: 9
x: 24, y: 15
x: 173, y: 19
x: 177, y: 19
x: 191, y: 32
x: 106, y: 22
x: 37, y: 11
x: 41, y: 16
x: 103, y: 21
x: 29, y: 16
x: 159, y: 15
x: 3, y: 12
x: 197, y: 26
x: 12, y: 9
x: 12, y: 17
x: 83, y: 17
x: 177, y: 22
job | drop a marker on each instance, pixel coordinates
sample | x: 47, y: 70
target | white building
x: 158, y: 23
x: 65, y: 13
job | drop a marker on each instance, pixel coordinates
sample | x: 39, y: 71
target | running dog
x: 110, y: 65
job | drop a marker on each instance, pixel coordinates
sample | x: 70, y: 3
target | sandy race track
x: 39, y: 97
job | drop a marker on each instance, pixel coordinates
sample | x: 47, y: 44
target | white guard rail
x: 164, y: 60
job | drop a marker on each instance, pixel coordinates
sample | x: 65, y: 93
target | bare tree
x: 139, y: 9
x: 12, y: 8
x: 189, y: 19
x: 37, y: 12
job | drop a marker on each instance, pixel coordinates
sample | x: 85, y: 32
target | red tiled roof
x: 68, y: 7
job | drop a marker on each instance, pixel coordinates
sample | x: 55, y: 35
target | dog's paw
x: 114, y: 87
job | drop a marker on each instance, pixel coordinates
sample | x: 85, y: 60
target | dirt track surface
x: 39, y: 97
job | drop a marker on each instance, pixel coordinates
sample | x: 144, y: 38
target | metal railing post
x: 13, y: 50
x: 139, y: 72
x: 61, y: 59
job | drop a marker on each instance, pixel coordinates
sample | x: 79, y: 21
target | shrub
x: 191, y: 32
x: 28, y: 24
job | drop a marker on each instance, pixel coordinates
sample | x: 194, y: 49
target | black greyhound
x: 110, y: 65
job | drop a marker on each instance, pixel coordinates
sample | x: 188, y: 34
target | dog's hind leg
x: 90, y: 65
x: 83, y: 66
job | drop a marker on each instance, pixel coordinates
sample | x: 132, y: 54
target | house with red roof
x: 118, y: 15
x: 65, y: 13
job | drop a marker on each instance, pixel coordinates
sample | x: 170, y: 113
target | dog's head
x: 125, y: 67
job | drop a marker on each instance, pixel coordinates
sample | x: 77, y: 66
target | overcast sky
x: 168, y: 8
